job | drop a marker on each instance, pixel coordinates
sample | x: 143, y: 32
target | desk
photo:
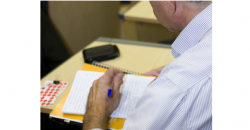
x: 135, y: 56
x: 141, y: 12
x: 141, y: 24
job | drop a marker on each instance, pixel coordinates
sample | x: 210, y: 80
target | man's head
x: 175, y: 15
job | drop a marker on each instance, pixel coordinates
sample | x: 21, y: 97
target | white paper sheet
x: 78, y: 95
x: 132, y: 89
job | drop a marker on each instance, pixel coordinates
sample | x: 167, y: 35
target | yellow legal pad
x: 115, y: 123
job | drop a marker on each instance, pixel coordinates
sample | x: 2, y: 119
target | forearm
x: 95, y: 119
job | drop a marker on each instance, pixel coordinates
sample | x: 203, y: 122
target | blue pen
x: 110, y: 89
x: 109, y: 92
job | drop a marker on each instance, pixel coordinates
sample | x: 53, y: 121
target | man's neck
x: 193, y: 11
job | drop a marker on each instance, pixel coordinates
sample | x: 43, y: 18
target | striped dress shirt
x: 181, y: 97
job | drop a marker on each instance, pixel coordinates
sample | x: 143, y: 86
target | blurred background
x: 69, y: 26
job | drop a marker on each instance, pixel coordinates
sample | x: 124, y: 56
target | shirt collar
x: 193, y: 32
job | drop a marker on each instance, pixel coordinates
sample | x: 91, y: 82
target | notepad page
x: 78, y: 95
x: 132, y: 89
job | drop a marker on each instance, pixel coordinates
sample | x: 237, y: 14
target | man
x: 181, y: 96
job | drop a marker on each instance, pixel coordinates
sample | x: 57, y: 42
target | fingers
x: 111, y: 72
x: 154, y: 72
x: 117, y: 82
x: 149, y: 73
x: 106, y: 79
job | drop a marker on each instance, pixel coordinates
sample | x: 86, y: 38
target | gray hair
x: 199, y: 3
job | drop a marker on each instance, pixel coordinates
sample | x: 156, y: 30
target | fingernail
x: 120, y: 75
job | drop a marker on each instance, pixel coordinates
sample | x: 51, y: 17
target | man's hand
x: 100, y: 106
x: 154, y: 72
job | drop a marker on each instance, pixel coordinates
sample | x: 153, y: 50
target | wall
x: 80, y: 22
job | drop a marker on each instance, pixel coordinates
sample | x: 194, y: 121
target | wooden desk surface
x: 135, y: 56
x: 141, y: 12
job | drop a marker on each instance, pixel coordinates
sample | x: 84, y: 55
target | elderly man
x: 181, y: 96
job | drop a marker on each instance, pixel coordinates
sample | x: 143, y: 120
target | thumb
x: 106, y: 79
x: 118, y: 81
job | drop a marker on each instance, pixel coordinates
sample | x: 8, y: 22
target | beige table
x: 141, y: 24
x: 141, y: 12
x: 135, y: 56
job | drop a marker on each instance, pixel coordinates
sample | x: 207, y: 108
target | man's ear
x: 171, y: 5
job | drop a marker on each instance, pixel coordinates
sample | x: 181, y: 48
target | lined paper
x: 131, y: 89
x: 77, y: 99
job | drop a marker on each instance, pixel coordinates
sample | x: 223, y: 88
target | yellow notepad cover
x: 115, y: 123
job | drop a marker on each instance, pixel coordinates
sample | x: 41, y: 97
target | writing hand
x: 100, y: 106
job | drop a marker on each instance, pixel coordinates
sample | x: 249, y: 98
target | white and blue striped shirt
x: 181, y: 97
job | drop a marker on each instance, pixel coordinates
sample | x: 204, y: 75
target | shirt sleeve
x: 96, y: 129
x: 160, y: 103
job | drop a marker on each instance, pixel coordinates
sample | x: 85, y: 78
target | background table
x: 141, y: 24
x: 135, y: 56
x: 142, y: 12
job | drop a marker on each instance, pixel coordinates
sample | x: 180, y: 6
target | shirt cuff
x: 96, y: 129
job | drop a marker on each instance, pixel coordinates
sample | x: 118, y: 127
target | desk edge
x: 131, y: 42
